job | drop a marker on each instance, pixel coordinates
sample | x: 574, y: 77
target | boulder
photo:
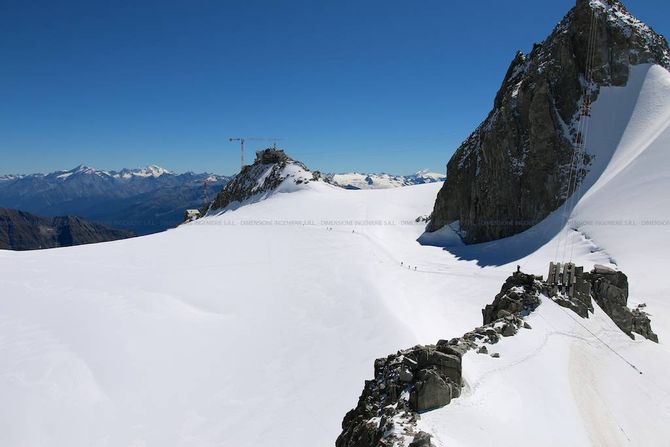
x: 447, y: 365
x: 431, y: 391
x: 642, y: 325
x: 405, y: 375
x: 421, y: 439
x: 508, y: 330
x: 518, y: 296
x: 609, y: 289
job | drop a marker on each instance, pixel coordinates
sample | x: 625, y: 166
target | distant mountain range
x: 357, y: 180
x: 24, y: 231
x: 145, y: 200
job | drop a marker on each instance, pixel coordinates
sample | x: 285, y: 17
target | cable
x: 587, y: 119
x: 580, y: 146
x: 562, y: 239
x: 587, y: 130
x: 598, y: 338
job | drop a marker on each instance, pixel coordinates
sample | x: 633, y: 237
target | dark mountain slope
x: 144, y: 201
x: 24, y: 231
x: 515, y: 168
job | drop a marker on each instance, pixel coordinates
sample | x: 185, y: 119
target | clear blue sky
x: 368, y: 85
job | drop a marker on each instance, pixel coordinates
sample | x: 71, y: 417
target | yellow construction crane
x: 243, y: 139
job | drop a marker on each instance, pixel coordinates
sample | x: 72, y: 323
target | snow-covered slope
x: 355, y: 180
x: 258, y: 326
x: 562, y: 371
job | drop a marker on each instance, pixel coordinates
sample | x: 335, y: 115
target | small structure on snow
x: 191, y: 215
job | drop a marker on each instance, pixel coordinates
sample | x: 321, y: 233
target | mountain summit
x: 272, y: 171
x: 515, y: 168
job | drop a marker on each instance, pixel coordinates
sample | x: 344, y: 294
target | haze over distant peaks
x: 356, y: 180
x: 144, y: 200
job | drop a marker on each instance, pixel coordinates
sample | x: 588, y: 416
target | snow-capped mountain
x: 144, y: 200
x: 355, y: 180
x: 532, y: 151
x: 272, y: 172
x: 150, y: 171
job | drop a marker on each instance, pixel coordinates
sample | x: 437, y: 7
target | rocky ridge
x: 423, y: 378
x: 513, y: 170
x: 24, y: 231
x: 272, y: 171
x: 609, y: 289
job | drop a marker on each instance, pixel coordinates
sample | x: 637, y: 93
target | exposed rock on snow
x: 421, y: 439
x: 271, y: 170
x: 609, y: 289
x: 642, y: 325
x: 515, y: 167
x: 425, y: 378
x: 517, y: 297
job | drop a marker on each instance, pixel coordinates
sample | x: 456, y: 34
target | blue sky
x: 367, y: 85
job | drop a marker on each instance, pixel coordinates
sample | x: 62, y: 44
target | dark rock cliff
x: 24, y: 231
x: 513, y: 170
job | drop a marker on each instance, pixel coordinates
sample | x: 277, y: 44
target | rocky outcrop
x: 513, y: 170
x: 271, y: 168
x: 642, y: 324
x: 24, y: 231
x: 424, y: 378
x: 405, y: 384
x: 517, y: 297
x: 609, y: 289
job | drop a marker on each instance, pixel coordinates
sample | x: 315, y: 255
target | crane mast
x: 242, y: 140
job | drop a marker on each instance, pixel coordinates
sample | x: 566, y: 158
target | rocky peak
x: 272, y: 171
x: 512, y: 171
x: 271, y: 155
